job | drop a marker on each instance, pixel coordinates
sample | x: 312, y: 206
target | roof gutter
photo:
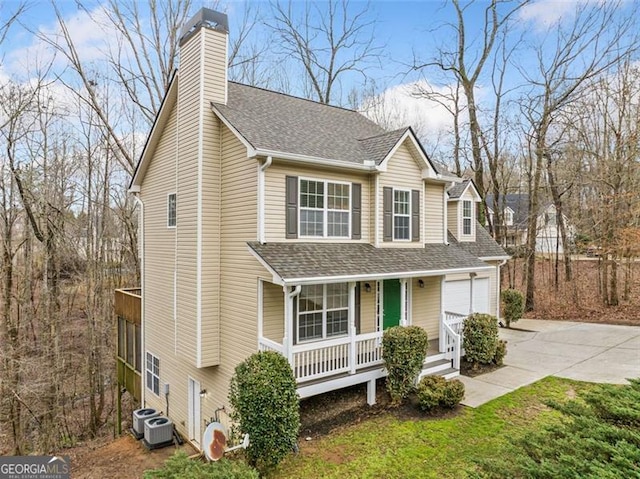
x: 380, y: 276
x: 313, y: 160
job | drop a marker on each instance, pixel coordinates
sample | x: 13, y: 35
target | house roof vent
x: 204, y: 18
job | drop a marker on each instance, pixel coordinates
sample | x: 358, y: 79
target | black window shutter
x: 357, y: 308
x: 291, y: 195
x: 415, y: 215
x: 356, y: 211
x: 387, y: 214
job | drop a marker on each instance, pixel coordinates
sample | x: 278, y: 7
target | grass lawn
x: 389, y: 447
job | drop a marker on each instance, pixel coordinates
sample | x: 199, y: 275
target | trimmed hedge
x: 436, y: 391
x: 266, y: 406
x: 480, y: 340
x: 179, y: 466
x: 403, y: 351
x: 512, y: 305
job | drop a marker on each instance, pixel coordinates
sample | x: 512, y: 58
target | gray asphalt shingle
x: 483, y: 247
x: 274, y: 121
x: 318, y: 260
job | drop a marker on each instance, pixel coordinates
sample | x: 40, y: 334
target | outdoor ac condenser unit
x: 158, y: 432
x: 139, y: 417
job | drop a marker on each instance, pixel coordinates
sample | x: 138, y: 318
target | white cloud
x: 548, y: 13
x: 396, y: 107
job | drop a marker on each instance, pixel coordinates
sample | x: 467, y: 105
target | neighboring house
x: 516, y: 213
x: 276, y: 223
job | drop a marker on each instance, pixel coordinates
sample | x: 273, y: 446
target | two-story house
x: 270, y: 222
x: 515, y: 208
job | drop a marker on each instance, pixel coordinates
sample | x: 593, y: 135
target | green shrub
x: 179, y: 466
x: 501, y: 352
x: 452, y: 394
x: 266, y: 406
x: 403, y: 351
x: 512, y: 305
x: 480, y: 338
x: 436, y: 391
x: 429, y: 392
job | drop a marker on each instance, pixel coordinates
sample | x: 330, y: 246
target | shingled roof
x: 341, y: 261
x: 274, y: 121
x: 483, y: 247
x: 519, y: 204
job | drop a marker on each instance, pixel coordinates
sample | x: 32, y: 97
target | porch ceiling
x: 306, y: 262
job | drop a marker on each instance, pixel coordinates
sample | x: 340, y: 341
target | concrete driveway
x: 598, y: 353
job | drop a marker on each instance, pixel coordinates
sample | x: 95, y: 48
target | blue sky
x: 403, y: 27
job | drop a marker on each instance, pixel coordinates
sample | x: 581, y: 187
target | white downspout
x: 261, y: 199
x: 143, y: 388
x: 471, y: 278
x: 377, y: 213
x: 287, y: 341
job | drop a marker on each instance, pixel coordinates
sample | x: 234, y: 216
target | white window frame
x: 325, y: 209
x: 175, y: 212
x: 153, y: 373
x: 508, y: 217
x: 324, y: 312
x: 393, y: 215
x: 470, y: 217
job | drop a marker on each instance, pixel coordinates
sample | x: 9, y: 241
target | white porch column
x: 352, y: 327
x: 403, y: 302
x: 287, y: 341
x: 260, y: 313
x: 442, y: 316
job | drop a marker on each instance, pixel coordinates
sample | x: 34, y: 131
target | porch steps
x: 438, y: 367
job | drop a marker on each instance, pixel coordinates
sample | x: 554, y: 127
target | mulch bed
x: 322, y: 414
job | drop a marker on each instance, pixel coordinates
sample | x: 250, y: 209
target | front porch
x: 331, y: 364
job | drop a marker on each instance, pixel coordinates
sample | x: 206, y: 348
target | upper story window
x: 508, y: 217
x: 467, y: 217
x: 401, y: 215
x: 171, y: 210
x: 324, y: 208
x: 323, y: 311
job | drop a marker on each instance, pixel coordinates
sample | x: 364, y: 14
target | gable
x: 157, y: 130
x: 410, y: 142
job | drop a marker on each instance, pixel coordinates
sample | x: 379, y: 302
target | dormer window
x: 467, y: 217
x: 508, y: 217
x: 324, y: 209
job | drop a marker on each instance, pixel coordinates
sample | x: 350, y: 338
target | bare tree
x: 329, y: 40
x: 467, y: 63
x: 590, y: 43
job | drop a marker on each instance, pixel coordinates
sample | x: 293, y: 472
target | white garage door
x: 457, y: 295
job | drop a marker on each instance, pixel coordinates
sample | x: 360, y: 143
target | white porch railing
x: 327, y: 358
x: 265, y: 344
x: 451, y: 336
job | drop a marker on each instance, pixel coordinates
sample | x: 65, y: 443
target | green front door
x: 391, y: 303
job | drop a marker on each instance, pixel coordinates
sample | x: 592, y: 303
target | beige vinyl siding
x: 426, y: 305
x: 452, y: 219
x: 215, y: 61
x: 368, y: 309
x: 493, y: 291
x: 403, y: 171
x: 187, y: 202
x: 275, y: 197
x: 272, y: 312
x: 210, y: 244
x: 239, y: 268
x: 159, y: 246
x: 434, y: 215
